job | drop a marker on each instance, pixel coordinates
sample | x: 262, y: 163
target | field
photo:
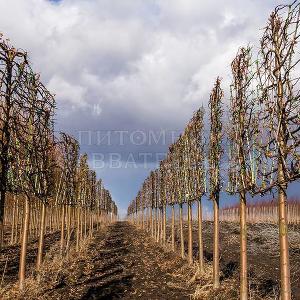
x: 115, y: 264
x: 112, y: 265
x: 263, y: 258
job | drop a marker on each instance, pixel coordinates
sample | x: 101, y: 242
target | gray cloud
x: 131, y: 64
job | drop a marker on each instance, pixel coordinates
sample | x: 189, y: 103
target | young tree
x: 279, y: 117
x: 215, y: 152
x: 82, y: 175
x: 243, y: 126
x: 163, y: 197
x: 180, y: 189
x: 33, y: 171
x: 172, y: 180
x: 44, y: 159
x: 70, y: 153
x: 199, y: 174
x: 13, y: 66
x: 188, y: 186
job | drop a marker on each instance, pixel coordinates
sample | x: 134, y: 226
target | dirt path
x: 125, y: 264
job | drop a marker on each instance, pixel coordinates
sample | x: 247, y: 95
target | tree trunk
x: 69, y: 220
x: 78, y: 229
x: 243, y: 248
x: 161, y: 225
x: 165, y: 224
x: 173, y: 228
x: 151, y: 221
x: 2, y: 219
x: 22, y: 267
x: 216, y: 250
x: 13, y: 222
x: 200, y: 238
x: 158, y: 225
x: 62, y: 230
x: 41, y: 238
x: 81, y: 224
x: 92, y: 225
x: 190, y: 239
x: 17, y: 222
x: 181, y: 230
x: 285, y: 290
x: 85, y: 225
x: 155, y: 223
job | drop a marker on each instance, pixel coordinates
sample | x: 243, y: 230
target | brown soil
x: 263, y: 256
x: 10, y: 257
x: 129, y: 265
x: 120, y: 263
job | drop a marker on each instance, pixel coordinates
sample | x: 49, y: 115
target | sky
x: 128, y: 74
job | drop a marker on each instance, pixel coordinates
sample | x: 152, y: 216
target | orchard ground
x: 123, y: 262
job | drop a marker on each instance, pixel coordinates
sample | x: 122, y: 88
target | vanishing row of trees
x: 263, y: 147
x: 262, y: 212
x: 44, y: 185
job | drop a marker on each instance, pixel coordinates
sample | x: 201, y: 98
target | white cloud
x: 73, y: 95
x: 133, y: 62
x: 155, y: 57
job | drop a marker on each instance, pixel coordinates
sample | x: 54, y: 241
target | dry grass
x: 229, y: 288
x: 54, y: 271
x: 205, y: 289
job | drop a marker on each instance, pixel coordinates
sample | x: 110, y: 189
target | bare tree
x: 242, y: 127
x: 215, y: 152
x: 13, y: 66
x: 279, y: 117
x: 35, y: 141
x: 69, y: 149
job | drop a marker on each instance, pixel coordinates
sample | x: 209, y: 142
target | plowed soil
x: 263, y: 255
x: 10, y: 258
x: 123, y: 262
x: 129, y: 266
